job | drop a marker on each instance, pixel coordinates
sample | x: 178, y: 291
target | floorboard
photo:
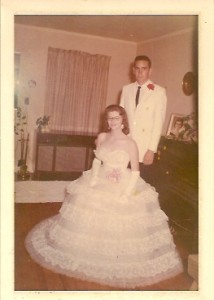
x: 29, y: 276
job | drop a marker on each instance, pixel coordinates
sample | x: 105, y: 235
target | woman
x: 110, y: 228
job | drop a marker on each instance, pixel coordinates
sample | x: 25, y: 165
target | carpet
x: 40, y: 191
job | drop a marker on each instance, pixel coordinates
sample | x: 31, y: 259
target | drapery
x: 76, y: 90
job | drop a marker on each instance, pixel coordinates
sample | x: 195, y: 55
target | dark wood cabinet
x: 62, y: 155
x: 176, y: 180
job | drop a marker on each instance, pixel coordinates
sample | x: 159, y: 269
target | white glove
x: 132, y: 183
x: 94, y: 171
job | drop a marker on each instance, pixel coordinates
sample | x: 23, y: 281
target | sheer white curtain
x: 76, y: 90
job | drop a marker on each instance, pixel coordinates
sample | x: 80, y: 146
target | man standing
x: 145, y: 104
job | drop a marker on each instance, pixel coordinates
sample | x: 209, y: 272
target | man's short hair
x: 143, y: 57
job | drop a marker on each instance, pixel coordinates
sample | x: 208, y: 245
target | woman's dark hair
x: 122, y: 113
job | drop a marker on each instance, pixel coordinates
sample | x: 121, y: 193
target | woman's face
x: 114, y: 120
x: 178, y: 124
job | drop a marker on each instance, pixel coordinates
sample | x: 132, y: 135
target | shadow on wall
x: 131, y: 79
x: 131, y: 75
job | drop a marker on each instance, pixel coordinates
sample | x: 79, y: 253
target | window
x: 76, y: 90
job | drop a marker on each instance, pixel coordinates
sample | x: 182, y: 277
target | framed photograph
x: 175, y: 125
x: 183, y: 128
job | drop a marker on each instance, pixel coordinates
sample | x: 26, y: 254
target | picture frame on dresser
x: 183, y: 128
x: 175, y: 125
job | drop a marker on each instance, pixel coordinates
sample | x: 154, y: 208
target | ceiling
x: 134, y: 28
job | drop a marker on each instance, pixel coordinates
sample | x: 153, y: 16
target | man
x: 145, y: 117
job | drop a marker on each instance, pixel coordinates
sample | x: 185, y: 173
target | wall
x: 172, y: 56
x: 33, y: 45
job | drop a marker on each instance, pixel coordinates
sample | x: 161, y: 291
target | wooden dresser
x: 176, y: 180
x: 62, y: 155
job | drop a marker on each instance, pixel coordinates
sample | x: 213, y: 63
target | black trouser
x: 148, y: 173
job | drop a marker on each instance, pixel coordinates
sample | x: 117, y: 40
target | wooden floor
x: 29, y: 276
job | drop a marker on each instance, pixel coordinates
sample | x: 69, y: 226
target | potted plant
x: 43, y: 123
x: 20, y: 129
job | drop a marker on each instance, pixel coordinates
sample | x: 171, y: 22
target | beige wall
x: 33, y: 45
x: 172, y: 56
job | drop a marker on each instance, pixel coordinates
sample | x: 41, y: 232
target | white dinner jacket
x: 145, y: 120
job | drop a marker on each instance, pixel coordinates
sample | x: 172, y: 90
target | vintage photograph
x: 175, y: 125
x: 183, y: 128
x: 106, y: 152
x: 74, y: 103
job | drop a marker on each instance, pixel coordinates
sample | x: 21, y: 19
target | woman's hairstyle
x: 122, y: 113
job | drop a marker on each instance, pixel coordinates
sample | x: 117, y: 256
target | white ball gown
x: 99, y: 235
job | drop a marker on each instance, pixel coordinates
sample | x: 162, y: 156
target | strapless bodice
x: 113, y: 158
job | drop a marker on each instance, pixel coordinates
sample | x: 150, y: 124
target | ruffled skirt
x: 102, y: 237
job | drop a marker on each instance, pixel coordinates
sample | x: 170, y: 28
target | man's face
x: 142, y: 71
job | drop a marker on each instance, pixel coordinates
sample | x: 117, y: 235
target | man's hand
x: 148, y: 157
